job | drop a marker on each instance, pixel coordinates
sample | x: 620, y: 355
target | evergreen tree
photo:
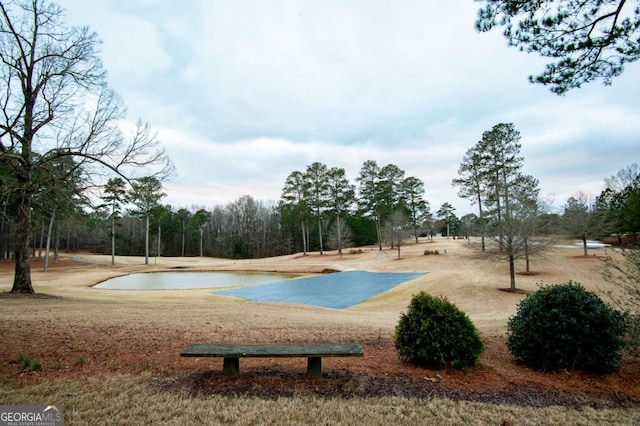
x: 145, y: 194
x: 588, y: 39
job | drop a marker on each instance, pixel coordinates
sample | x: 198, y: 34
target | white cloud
x: 245, y: 92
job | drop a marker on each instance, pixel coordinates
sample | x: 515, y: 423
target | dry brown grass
x: 128, y: 399
x: 128, y: 340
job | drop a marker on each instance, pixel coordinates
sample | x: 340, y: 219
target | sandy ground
x: 82, y: 331
x: 472, y: 280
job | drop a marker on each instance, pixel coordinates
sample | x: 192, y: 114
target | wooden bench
x: 233, y: 353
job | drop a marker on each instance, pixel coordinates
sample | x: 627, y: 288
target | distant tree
x: 183, y: 217
x: 198, y: 222
x: 550, y: 223
x: 363, y: 230
x: 340, y: 198
x: 317, y: 190
x: 500, y: 151
x: 379, y: 192
x: 161, y: 217
x: 446, y: 213
x: 370, y: 195
x: 430, y: 223
x: 621, y: 199
x: 412, y: 198
x: 294, y: 195
x: 469, y: 225
x: 115, y: 192
x: 145, y: 194
x: 519, y: 223
x: 391, y: 179
x: 339, y: 239
x: 472, y: 184
x: 508, y: 204
x: 583, y: 220
x: 396, y: 227
x: 589, y: 39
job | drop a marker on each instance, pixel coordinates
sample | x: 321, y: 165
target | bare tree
x: 396, y: 228
x: 519, y: 223
x: 583, y: 220
x: 339, y: 236
x: 54, y: 103
x: 625, y: 274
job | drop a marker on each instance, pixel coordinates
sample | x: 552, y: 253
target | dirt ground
x: 76, y: 331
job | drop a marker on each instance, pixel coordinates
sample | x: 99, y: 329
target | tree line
x: 319, y: 210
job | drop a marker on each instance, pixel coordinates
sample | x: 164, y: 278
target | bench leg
x: 314, y: 366
x: 231, y: 366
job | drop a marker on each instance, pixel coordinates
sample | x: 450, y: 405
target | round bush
x: 435, y: 333
x: 566, y: 327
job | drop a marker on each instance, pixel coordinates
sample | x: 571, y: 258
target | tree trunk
x: 41, y: 239
x: 48, y: 245
x: 379, y: 233
x: 22, y: 278
x: 56, y: 245
x: 526, y: 255
x: 320, y: 231
x: 304, y: 240
x: 3, y: 239
x: 183, y: 238
x: 146, y: 241
x: 339, y: 236
x: 512, y: 273
x: 113, y: 238
x: 201, y: 232
x: 481, y: 220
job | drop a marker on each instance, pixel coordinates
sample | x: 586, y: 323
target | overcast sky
x: 244, y: 92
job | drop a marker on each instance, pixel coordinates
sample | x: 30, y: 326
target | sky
x: 242, y: 93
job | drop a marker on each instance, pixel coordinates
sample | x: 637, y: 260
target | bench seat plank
x: 233, y: 353
x: 273, y: 351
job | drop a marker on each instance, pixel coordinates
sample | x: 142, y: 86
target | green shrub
x: 566, y: 327
x: 28, y: 364
x: 435, y: 333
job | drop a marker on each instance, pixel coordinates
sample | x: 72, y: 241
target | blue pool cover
x: 337, y: 290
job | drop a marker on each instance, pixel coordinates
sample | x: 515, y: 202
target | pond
x: 190, y: 280
x: 336, y: 291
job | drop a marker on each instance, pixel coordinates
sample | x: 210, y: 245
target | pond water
x: 187, y: 280
x: 337, y: 291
